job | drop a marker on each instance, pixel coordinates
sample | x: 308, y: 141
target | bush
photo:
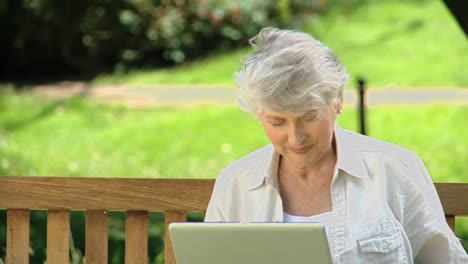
x: 70, y: 37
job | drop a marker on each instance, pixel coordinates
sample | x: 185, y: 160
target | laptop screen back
x: 254, y: 243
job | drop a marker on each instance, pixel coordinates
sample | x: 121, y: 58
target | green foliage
x: 59, y: 37
x: 391, y: 43
x: 91, y: 36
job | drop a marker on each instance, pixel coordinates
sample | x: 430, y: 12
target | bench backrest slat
x: 169, y: 217
x: 136, y: 230
x: 58, y: 236
x: 96, y: 236
x: 450, y: 221
x: 17, y: 236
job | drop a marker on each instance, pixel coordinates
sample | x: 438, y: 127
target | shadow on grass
x: 45, y: 111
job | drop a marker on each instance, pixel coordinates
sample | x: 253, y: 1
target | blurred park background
x: 414, y: 45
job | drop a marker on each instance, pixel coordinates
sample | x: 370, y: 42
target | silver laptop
x: 253, y: 243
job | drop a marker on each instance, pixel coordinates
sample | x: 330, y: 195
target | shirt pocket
x: 382, y: 243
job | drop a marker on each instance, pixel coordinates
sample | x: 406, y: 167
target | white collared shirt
x: 385, y: 208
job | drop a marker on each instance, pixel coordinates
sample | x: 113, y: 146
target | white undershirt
x: 323, y: 218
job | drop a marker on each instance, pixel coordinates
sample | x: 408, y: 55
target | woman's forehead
x: 285, y: 115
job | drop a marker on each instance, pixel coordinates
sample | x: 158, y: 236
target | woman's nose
x: 297, y: 135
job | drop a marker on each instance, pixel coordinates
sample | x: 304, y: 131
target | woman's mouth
x: 301, y: 150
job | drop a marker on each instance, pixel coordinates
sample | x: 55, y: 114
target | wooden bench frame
x: 174, y: 197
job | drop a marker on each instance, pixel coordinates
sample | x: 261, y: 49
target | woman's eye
x: 277, y: 124
x: 310, y: 118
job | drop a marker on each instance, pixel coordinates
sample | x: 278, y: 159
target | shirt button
x: 336, y: 257
x: 385, y: 245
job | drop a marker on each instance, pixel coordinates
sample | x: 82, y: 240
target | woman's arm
x: 424, y: 222
x: 214, y: 212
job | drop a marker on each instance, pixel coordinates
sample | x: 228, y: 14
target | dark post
x: 362, y: 106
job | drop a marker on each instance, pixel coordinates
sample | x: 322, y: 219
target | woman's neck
x: 315, y: 168
x: 323, y: 165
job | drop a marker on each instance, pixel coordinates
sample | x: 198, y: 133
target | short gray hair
x: 289, y: 71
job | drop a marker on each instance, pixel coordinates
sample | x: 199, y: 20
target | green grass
x: 81, y: 138
x: 398, y: 43
x: 216, y: 69
x: 391, y: 43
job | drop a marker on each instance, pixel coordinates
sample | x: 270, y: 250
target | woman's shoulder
x: 401, y: 164
x: 367, y: 144
x: 248, y: 164
x: 251, y: 159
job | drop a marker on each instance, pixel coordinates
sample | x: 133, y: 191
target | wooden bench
x: 175, y: 197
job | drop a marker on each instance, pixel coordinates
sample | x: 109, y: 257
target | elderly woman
x: 375, y: 199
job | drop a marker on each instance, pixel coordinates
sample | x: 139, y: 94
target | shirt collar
x: 350, y: 160
x: 266, y: 170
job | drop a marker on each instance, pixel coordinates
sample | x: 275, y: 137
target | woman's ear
x: 339, y: 104
x: 260, y: 115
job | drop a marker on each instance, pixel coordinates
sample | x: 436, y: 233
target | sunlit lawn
x: 217, y: 69
x: 82, y: 138
x: 398, y: 43
x: 391, y: 43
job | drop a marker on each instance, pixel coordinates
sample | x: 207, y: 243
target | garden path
x: 189, y: 95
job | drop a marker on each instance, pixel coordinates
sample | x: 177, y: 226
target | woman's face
x: 302, y: 140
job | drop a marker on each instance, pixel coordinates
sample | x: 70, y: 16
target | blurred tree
x: 58, y: 37
x: 55, y: 38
